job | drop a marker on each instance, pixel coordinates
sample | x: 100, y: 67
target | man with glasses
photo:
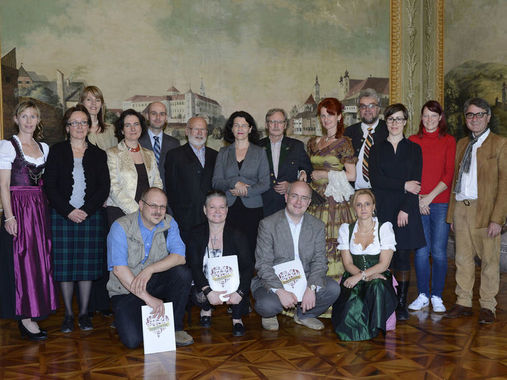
x: 477, y: 211
x: 366, y: 133
x: 146, y: 258
x: 288, y: 161
x: 155, y: 139
x: 287, y: 235
x: 188, y: 172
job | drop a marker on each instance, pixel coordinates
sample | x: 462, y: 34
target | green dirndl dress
x: 361, y: 312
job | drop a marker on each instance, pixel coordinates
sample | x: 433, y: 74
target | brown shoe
x: 486, y: 316
x: 459, y: 311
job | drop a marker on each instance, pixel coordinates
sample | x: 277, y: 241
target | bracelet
x: 12, y: 217
x: 207, y: 291
x: 363, y: 275
x: 241, y: 293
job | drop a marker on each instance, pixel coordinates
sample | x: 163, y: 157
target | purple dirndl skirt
x: 28, y: 254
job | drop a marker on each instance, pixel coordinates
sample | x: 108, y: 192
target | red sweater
x: 438, y: 162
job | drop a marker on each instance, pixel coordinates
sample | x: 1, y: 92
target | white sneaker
x: 420, y: 302
x: 438, y: 305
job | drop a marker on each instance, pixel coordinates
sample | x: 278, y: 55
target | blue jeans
x: 436, y: 232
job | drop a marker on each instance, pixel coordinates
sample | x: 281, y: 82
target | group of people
x: 129, y: 217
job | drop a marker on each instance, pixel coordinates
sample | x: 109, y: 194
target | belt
x: 468, y: 202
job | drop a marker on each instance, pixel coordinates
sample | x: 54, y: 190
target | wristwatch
x: 313, y: 288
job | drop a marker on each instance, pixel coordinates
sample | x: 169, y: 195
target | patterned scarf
x: 467, y: 160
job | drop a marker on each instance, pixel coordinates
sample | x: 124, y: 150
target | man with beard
x: 155, y: 139
x: 188, y: 173
x: 366, y: 133
x: 146, y: 258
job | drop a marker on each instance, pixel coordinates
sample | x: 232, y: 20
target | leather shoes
x: 205, y: 321
x: 459, y: 311
x: 486, y: 316
x: 238, y: 329
x: 31, y: 336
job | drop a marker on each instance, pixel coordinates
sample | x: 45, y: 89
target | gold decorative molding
x: 395, y: 49
x: 439, y: 77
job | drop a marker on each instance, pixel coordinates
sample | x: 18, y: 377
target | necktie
x: 366, y: 155
x: 156, y: 148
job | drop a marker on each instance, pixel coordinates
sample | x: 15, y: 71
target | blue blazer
x: 254, y: 172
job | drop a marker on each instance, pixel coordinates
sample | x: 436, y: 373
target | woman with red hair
x: 332, y: 157
x: 438, y: 150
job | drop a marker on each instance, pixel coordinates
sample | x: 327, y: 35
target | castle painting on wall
x: 201, y: 57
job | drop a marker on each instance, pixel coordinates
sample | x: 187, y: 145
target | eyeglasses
x: 395, y: 120
x: 198, y: 130
x: 277, y: 122
x: 76, y: 123
x: 295, y: 197
x: 154, y: 206
x: 370, y: 106
x: 478, y: 115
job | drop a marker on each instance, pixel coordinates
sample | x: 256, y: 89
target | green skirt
x: 361, y: 312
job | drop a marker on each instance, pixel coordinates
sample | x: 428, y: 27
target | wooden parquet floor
x: 425, y: 347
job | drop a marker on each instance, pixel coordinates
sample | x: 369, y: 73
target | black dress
x: 389, y: 170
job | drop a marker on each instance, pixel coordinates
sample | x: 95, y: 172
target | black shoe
x: 31, y: 336
x: 238, y: 329
x: 205, y: 321
x: 106, y: 313
x: 68, y: 324
x: 84, y: 322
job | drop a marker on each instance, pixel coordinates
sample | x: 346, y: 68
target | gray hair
x: 478, y: 102
x: 369, y: 93
x: 275, y: 110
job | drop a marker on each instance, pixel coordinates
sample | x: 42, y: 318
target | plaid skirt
x: 79, y: 249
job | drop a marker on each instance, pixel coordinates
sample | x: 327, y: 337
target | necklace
x: 136, y: 149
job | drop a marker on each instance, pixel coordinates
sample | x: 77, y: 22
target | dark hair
x: 478, y: 102
x: 119, y: 125
x: 393, y: 108
x: 333, y: 107
x: 215, y: 193
x: 95, y: 91
x: 20, y: 108
x: 253, y: 136
x: 77, y: 108
x: 434, y: 106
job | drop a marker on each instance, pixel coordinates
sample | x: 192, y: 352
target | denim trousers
x: 173, y: 285
x: 436, y: 233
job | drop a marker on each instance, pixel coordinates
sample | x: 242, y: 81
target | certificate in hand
x: 292, y: 276
x: 158, y: 333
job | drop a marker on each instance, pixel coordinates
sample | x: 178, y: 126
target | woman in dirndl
x: 77, y: 184
x: 28, y: 291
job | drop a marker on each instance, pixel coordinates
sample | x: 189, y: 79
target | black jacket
x: 58, y: 179
x: 235, y: 243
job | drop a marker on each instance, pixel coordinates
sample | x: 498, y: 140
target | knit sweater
x: 438, y: 162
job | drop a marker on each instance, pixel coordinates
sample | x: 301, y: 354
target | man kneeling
x: 287, y: 235
x: 146, y: 257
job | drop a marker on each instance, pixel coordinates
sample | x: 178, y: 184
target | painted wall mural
x: 209, y: 57
x: 475, y: 59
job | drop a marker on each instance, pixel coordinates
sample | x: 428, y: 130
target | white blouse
x: 8, y: 154
x: 387, y: 239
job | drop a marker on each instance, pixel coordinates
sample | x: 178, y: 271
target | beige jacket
x: 123, y: 175
x: 491, y: 180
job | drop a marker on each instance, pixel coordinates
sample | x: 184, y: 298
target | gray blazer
x: 168, y: 143
x: 275, y: 246
x: 254, y: 172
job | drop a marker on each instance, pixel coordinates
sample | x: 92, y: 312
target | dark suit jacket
x: 58, y: 179
x: 275, y: 246
x: 235, y: 243
x: 293, y: 158
x: 168, y: 143
x: 187, y: 184
x: 356, y: 135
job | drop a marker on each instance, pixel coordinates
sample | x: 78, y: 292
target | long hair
x: 22, y: 106
x: 95, y: 91
x: 253, y: 136
x: 434, y: 106
x: 333, y: 107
